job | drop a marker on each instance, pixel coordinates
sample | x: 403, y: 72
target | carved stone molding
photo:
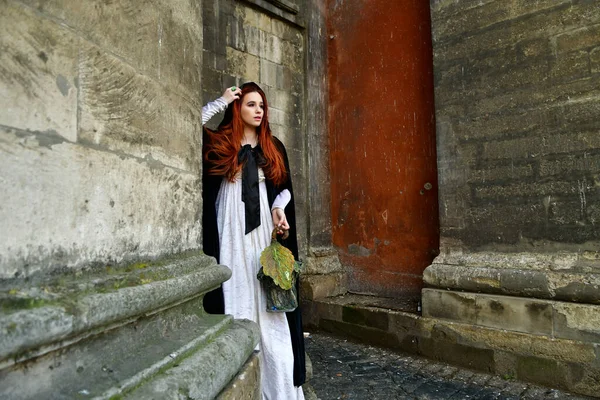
x: 282, y: 9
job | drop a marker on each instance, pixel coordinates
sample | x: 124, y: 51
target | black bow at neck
x: 251, y: 158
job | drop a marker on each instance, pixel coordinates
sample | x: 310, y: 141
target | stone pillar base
x: 136, y: 332
x: 246, y: 384
x: 566, y: 364
x: 323, y: 275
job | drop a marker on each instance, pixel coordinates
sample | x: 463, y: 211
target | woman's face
x: 252, y: 109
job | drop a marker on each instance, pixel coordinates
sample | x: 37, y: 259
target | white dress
x: 243, y: 294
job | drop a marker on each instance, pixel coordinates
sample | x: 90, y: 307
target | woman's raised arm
x: 220, y: 104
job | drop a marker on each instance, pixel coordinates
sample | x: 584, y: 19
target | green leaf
x: 278, y: 263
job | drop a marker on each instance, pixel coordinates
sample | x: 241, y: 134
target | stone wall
x: 101, y: 274
x: 246, y: 41
x: 100, y: 132
x: 516, y: 106
x: 284, y: 49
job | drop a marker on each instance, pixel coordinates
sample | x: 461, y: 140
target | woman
x: 247, y: 191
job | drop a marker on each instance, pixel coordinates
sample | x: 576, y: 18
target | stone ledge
x: 543, y: 284
x: 205, y: 373
x: 119, y: 361
x: 570, y: 364
x: 322, y: 264
x: 43, y: 318
x: 320, y: 286
x: 554, y: 319
x: 281, y: 9
x: 246, y: 385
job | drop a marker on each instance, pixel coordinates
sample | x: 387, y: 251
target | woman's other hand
x: 280, y: 222
x: 231, y: 94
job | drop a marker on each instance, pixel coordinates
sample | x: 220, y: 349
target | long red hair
x: 224, y: 143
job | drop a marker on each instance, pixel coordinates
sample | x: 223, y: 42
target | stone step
x: 554, y: 319
x: 130, y: 332
x: 204, y: 374
x: 48, y: 314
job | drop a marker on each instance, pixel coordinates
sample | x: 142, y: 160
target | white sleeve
x: 212, y: 108
x: 282, y: 200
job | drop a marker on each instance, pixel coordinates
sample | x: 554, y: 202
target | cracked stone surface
x: 343, y: 369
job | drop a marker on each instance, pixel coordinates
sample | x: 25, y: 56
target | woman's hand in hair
x: 280, y: 222
x: 231, y: 94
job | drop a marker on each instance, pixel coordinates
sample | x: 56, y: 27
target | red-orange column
x: 382, y: 143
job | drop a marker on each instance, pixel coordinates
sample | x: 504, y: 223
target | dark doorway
x: 382, y: 141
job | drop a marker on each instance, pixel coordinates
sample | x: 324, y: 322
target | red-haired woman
x: 247, y: 191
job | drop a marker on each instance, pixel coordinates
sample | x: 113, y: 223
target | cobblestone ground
x: 343, y: 369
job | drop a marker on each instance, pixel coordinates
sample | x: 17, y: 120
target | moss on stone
x: 15, y: 303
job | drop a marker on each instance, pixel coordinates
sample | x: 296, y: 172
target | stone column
x: 324, y: 276
x: 516, y: 95
x: 101, y: 273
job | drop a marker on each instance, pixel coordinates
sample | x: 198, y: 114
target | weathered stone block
x: 569, y: 164
x: 520, y: 189
x: 116, y: 321
x: 518, y: 274
x: 549, y: 372
x: 322, y: 265
x: 595, y: 60
x: 493, y: 173
x: 286, y: 32
x: 196, y: 376
x: 279, y: 117
x: 460, y: 307
x: 243, y: 65
x: 253, y: 39
x: 38, y: 70
x: 362, y: 333
x: 106, y: 206
x: 319, y: 286
x: 579, y: 322
x: 369, y: 317
x: 253, y: 17
x: 406, y: 324
x: 469, y: 278
x: 571, y: 66
x: 523, y: 315
x: 457, y: 354
x: 505, y: 363
x: 496, y: 350
x: 584, y: 37
x: 161, y: 40
x: 246, y: 384
x: 131, y: 113
x: 314, y: 311
x: 212, y: 83
x: 527, y: 283
x: 502, y: 312
x: 522, y: 343
x: 492, y: 216
x: 235, y: 33
x: 534, y: 147
x: 451, y: 21
x: 282, y: 100
x: 268, y: 73
x: 271, y: 48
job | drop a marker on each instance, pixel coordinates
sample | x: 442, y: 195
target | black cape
x: 213, y: 301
